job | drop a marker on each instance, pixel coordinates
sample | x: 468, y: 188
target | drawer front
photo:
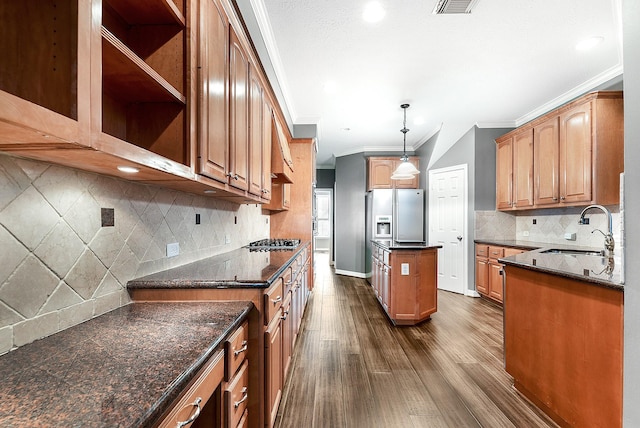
x: 482, y: 250
x: 198, y: 394
x: 287, y: 279
x: 236, y: 350
x: 236, y: 395
x: 273, y: 300
x: 495, y: 252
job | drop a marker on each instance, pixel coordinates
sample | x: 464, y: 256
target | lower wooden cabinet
x: 563, y: 346
x: 405, y: 283
x: 489, y: 271
x: 200, y: 403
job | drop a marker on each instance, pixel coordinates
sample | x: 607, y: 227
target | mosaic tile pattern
x: 60, y: 267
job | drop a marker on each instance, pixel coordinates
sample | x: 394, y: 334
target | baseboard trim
x: 471, y: 293
x: 350, y: 273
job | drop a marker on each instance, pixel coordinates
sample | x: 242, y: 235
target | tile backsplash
x: 550, y: 226
x: 60, y: 267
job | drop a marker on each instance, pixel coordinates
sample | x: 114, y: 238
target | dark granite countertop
x: 240, y: 268
x: 394, y: 245
x: 513, y: 243
x: 598, y: 270
x: 121, y: 369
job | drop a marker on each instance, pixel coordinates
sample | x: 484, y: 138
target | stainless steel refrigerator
x: 393, y: 215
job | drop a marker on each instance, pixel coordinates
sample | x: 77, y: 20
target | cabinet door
x: 504, y: 175
x: 380, y: 171
x: 288, y: 319
x: 239, y: 112
x: 482, y: 276
x: 213, y: 144
x: 412, y: 183
x: 495, y: 280
x: 575, y: 154
x: 267, y: 117
x: 255, y: 132
x: 273, y: 370
x: 286, y: 196
x: 546, y: 162
x: 523, y: 169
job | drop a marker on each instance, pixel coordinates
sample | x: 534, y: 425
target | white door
x: 448, y: 225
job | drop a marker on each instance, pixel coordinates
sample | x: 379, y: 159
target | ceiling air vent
x: 454, y: 6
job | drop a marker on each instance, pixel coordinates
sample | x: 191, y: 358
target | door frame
x: 329, y: 193
x: 465, y: 227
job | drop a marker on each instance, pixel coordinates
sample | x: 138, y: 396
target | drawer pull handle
x: 277, y: 300
x: 284, y: 316
x: 194, y: 416
x: 245, y: 395
x: 241, y: 350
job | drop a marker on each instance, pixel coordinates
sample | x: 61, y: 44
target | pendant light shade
x: 406, y: 170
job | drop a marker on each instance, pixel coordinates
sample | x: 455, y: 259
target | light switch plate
x: 173, y: 249
x: 227, y: 239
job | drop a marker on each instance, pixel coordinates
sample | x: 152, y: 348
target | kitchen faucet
x: 609, y: 243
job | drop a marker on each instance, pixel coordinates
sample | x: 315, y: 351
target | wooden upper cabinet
x: 44, y: 75
x: 255, y: 132
x: 546, y: 140
x: 575, y: 154
x: 578, y: 155
x: 281, y: 160
x: 267, y: 117
x: 381, y: 169
x: 504, y: 174
x: 523, y: 169
x: 144, y: 79
x: 213, y: 116
x: 238, y: 113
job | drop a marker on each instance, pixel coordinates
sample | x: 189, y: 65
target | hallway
x: 352, y: 368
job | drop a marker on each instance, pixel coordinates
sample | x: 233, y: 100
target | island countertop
x: 240, y: 268
x: 121, y: 369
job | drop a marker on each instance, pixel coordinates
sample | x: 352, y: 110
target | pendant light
x: 406, y: 170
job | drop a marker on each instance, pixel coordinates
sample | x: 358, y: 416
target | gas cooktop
x: 273, y: 244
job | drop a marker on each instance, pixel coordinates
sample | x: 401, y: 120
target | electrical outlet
x: 197, y: 218
x: 173, y: 249
x: 227, y: 239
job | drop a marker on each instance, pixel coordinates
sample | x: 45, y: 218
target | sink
x: 599, y: 253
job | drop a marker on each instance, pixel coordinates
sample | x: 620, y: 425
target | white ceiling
x: 499, y: 66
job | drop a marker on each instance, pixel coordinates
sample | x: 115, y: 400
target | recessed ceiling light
x: 346, y: 129
x: 128, y: 169
x: 373, y: 12
x: 589, y: 43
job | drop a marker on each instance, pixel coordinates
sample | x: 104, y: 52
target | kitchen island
x: 405, y: 281
x: 563, y: 333
x: 126, y: 368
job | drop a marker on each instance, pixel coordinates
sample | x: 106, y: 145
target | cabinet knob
x: 562, y: 198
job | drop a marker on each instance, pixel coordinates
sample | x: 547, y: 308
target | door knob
x: 459, y: 238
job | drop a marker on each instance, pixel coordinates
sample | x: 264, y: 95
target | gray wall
x: 349, y: 209
x: 631, y: 28
x: 325, y: 178
x: 485, y: 167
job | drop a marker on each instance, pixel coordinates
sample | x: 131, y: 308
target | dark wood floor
x: 352, y: 368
